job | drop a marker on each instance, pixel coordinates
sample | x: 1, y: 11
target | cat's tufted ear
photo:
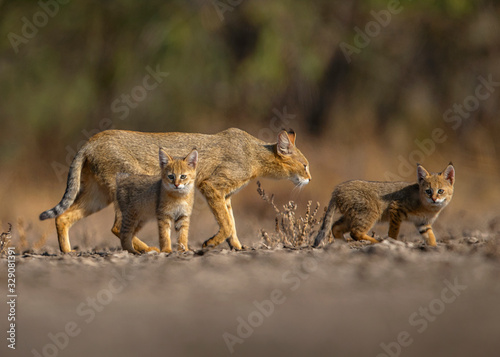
x: 285, y: 142
x: 449, y: 174
x: 292, y: 136
x: 192, y: 159
x: 422, y: 173
x: 164, y: 158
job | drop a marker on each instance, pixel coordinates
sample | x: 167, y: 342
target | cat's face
x: 436, y: 190
x: 178, y: 175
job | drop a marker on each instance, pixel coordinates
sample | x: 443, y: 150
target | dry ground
x: 346, y: 299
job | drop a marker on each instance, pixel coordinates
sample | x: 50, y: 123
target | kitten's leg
x: 182, y: 226
x: 138, y: 244
x: 395, y: 219
x: 358, y: 235
x: 128, y: 228
x: 361, y: 225
x: 164, y: 224
x: 217, y: 204
x: 340, y: 227
x: 426, y: 231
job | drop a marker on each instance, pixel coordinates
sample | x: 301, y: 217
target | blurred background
x: 370, y: 87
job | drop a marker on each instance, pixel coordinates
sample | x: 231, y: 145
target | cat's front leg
x: 182, y: 226
x: 395, y: 219
x: 218, y: 206
x: 426, y: 231
x: 233, y: 240
x: 164, y: 224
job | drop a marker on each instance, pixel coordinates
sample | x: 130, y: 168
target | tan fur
x: 168, y: 198
x: 363, y: 203
x: 228, y: 161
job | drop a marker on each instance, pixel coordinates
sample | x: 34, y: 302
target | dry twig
x: 290, y: 230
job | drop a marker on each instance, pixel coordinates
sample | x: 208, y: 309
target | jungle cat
x: 363, y: 203
x: 168, y: 198
x: 228, y: 161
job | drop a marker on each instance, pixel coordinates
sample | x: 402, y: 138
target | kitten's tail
x: 327, y: 225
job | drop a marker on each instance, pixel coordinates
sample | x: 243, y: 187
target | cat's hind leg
x: 361, y: 225
x: 340, y: 227
x: 138, y: 244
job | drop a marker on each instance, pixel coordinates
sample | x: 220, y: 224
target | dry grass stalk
x: 290, y: 230
x: 5, y: 240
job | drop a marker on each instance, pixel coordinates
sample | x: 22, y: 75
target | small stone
x: 471, y: 240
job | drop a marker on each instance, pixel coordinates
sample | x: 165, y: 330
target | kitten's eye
x: 171, y: 177
x: 440, y: 191
x: 183, y: 177
x: 305, y: 167
x: 428, y: 191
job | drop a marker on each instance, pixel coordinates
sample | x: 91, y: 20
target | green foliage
x: 226, y: 69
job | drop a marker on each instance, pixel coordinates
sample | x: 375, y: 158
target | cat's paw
x: 209, y: 243
x: 151, y: 249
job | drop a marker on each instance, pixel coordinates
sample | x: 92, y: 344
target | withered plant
x: 291, y: 230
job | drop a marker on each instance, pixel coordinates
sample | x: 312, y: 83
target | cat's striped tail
x: 72, y: 188
x: 327, y: 225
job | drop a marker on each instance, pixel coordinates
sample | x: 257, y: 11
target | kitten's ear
x: 449, y: 174
x: 164, y: 158
x: 192, y: 158
x: 285, y: 144
x: 421, y: 173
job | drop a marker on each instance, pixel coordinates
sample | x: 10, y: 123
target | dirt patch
x: 347, y: 299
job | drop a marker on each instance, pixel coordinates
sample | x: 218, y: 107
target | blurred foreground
x: 385, y: 300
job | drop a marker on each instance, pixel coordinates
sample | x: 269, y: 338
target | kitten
x: 363, y: 203
x: 168, y: 198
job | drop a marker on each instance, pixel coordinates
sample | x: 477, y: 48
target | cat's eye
x: 305, y: 167
x: 440, y: 191
x: 183, y: 177
x: 428, y: 191
x: 171, y: 177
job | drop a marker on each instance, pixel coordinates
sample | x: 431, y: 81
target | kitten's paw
x: 181, y: 248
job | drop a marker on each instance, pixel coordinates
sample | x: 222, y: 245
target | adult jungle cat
x: 228, y: 161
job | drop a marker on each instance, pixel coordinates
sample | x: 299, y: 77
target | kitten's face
x: 178, y: 175
x: 436, y: 190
